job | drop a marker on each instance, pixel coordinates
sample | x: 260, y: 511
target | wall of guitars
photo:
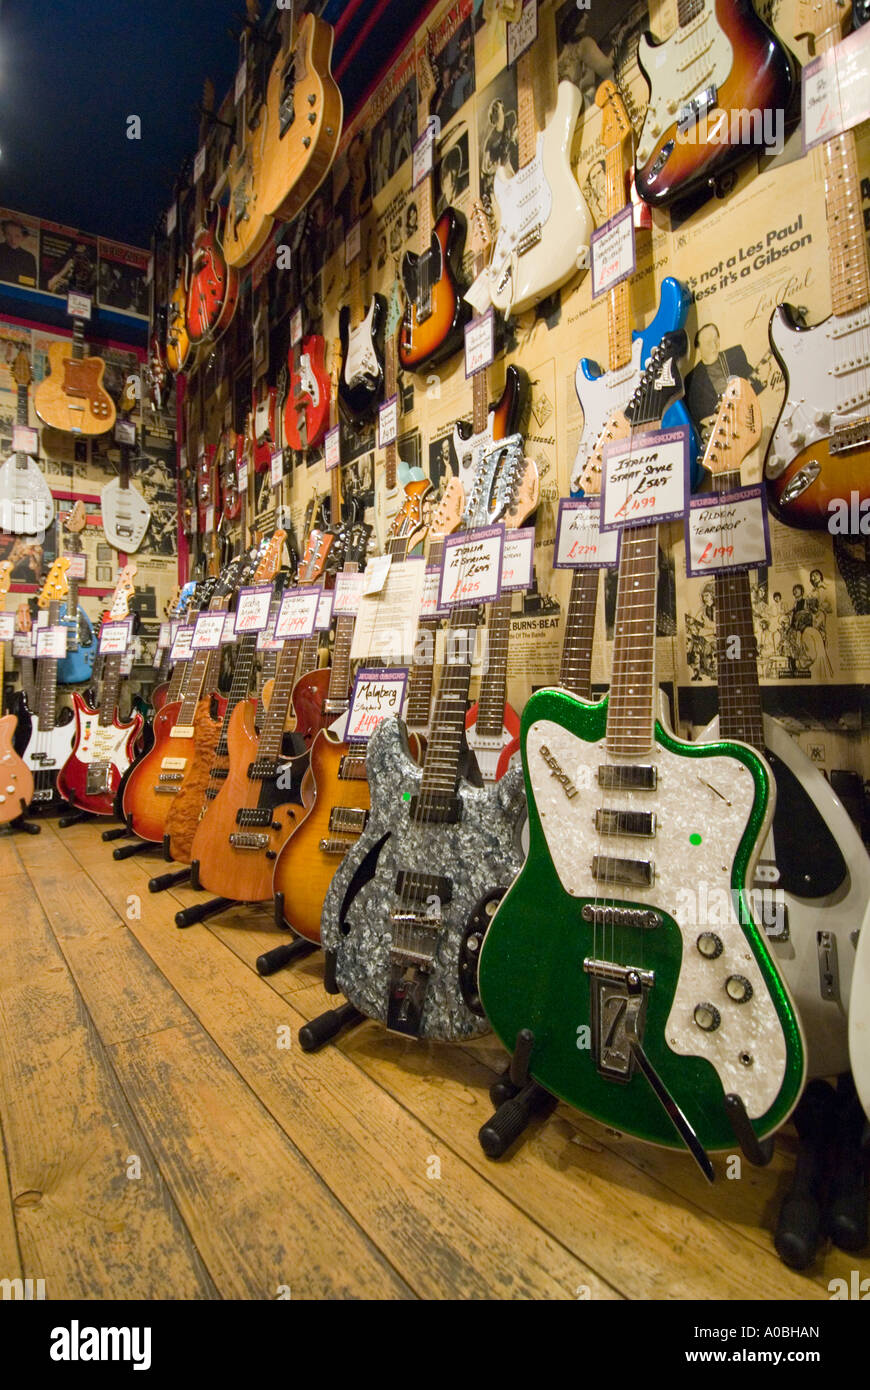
x: 544, y: 376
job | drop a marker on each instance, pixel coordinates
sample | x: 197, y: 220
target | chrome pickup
x: 352, y: 767
x: 348, y: 820
x: 166, y: 777
x: 626, y: 823
x: 334, y: 844
x: 242, y: 839
x: 628, y: 778
x: 634, y: 873
x: 611, y: 1002
x: 641, y: 917
x: 250, y: 816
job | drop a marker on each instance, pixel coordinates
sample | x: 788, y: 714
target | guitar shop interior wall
x: 40, y: 262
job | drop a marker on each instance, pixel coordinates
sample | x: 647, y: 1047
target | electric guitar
x: 71, y: 396
x: 125, y: 513
x: 603, y: 394
x: 213, y: 289
x: 81, y: 643
x: 248, y: 220
x: 820, y: 448
x: 675, y: 1035
x: 46, y: 739
x: 435, y: 312
x: 713, y: 85
x: 26, y: 503
x: 305, y: 408
x: 813, y: 877
x: 544, y: 223
x: 395, y: 915
x: 104, y: 744
x: 16, y: 779
x: 393, y: 480
x: 361, y: 381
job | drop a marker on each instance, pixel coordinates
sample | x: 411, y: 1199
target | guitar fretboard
x: 575, y: 673
x: 46, y: 679
x: 441, y: 765
x: 631, y: 705
x: 493, y: 685
x: 740, y: 712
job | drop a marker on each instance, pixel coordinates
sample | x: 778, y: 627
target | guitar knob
x: 312, y: 116
x: 312, y: 97
x: 306, y: 140
x: 709, y: 944
x: 673, y: 106
x: 707, y: 1017
x: 799, y: 439
x: 738, y: 988
x: 822, y: 418
x: 655, y: 129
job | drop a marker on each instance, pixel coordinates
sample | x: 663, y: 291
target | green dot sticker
x: 695, y: 839
x: 406, y: 796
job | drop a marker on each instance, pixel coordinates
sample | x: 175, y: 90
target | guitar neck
x: 740, y: 712
x: 631, y: 705
x: 441, y: 765
x: 339, y: 675
x: 111, y: 688
x: 272, y: 732
x: 493, y: 686
x: 46, y: 680
x: 421, y: 679
x: 575, y: 673
x: 850, y: 273
x: 527, y: 129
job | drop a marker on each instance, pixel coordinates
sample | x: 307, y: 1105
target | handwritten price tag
x: 424, y: 151
x: 115, y: 637
x: 25, y: 440
x: 324, y: 611
x: 431, y: 587
x: 23, y: 644
x: 243, y: 477
x: 268, y: 642
x: 579, y: 542
x: 348, y: 592
x: 78, y: 306
x: 479, y: 343
x: 78, y: 566
x: 277, y: 467
x: 164, y: 637
x: 332, y: 447
x: 125, y: 432
x: 298, y: 612
x: 229, y: 632
x: 375, y: 574
x: 518, y: 560
x: 352, y: 244
x: 471, y: 568
x: 252, y: 609
x: 377, y: 694
x: 612, y: 252
x: 7, y: 627
x: 51, y: 641
x: 208, y: 631
x: 388, y: 422
x: 523, y: 33
x: 727, y: 531
x: 835, y: 90
x: 645, y: 478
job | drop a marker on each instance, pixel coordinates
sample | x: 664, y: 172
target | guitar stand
x: 327, y: 1026
x: 119, y: 832
x: 279, y: 956
x: 164, y: 881
x: 189, y: 916
x: 76, y: 817
x: 27, y: 827
x: 517, y: 1099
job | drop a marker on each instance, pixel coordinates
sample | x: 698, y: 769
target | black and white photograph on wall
x: 582, y: 60
x: 714, y: 364
x: 454, y: 64
x: 19, y: 248
x: 497, y: 134
x: 67, y: 261
x: 394, y: 135
x: 121, y: 278
x: 358, y: 479
x: 452, y: 173
x: 443, y: 464
x: 356, y: 438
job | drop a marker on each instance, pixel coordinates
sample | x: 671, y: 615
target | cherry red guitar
x: 306, y: 408
x: 265, y: 409
x: 214, y: 286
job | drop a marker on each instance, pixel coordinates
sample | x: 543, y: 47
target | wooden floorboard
x: 353, y: 1172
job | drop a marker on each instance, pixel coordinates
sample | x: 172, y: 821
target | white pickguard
x: 824, y: 1020
x: 362, y: 360
x: 828, y: 372
x: 713, y: 798
x: 599, y: 399
x: 488, y: 750
x: 541, y: 203
x: 102, y: 743
x: 126, y: 516
x: 696, y: 56
x: 308, y: 381
x: 26, y: 503
x: 47, y: 752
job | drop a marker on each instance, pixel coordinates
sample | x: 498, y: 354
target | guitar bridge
x: 529, y: 239
x: 618, y: 1013
x: 99, y: 778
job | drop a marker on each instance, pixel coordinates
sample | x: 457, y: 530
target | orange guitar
x: 72, y: 396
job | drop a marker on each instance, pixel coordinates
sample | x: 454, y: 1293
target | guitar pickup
x: 352, y: 767
x: 697, y: 107
x: 436, y: 808
x: 642, y: 918
x: 631, y: 873
x: 628, y: 778
x: 263, y: 770
x: 334, y: 844
x: 420, y: 888
x: 347, y: 820
x: 641, y: 823
x: 253, y: 815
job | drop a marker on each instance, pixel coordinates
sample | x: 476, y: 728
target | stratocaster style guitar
x: 81, y: 642
x: 47, y: 740
x: 820, y: 448
x: 544, y: 223
x: 392, y: 481
x: 26, y: 503
x: 16, y: 779
x: 716, y: 86
x: 71, y: 396
x: 435, y: 312
x: 672, y: 1032
x: 603, y: 394
x: 395, y: 915
x: 361, y: 381
x: 125, y: 513
x: 814, y: 872
x: 104, y: 744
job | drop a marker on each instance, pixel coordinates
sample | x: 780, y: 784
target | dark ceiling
x: 72, y: 71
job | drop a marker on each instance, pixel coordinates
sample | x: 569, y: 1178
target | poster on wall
x: 452, y: 41
x: 19, y: 248
x: 121, y: 279
x: 67, y: 260
x: 395, y: 130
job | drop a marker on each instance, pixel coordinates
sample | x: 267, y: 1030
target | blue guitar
x: 77, y: 666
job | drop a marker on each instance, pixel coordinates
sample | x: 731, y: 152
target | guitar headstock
x: 124, y: 590
x: 22, y: 372
x: 318, y: 548
x: 76, y: 518
x: 408, y: 524
x: 5, y: 577
x: 615, y: 126
x: 528, y: 488
x: 395, y: 310
x: 481, y: 231
x: 736, y: 429
x: 23, y: 620
x: 232, y: 575
x: 661, y: 383
x: 55, y: 587
x: 270, y: 563
x: 816, y: 18
x: 448, y: 514
x: 357, y: 544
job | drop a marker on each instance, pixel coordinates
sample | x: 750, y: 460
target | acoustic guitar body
x: 72, y: 396
x: 187, y: 807
x: 437, y: 336
x: 244, y: 827
x: 16, y: 779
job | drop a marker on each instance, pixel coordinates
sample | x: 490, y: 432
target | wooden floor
x: 161, y: 1140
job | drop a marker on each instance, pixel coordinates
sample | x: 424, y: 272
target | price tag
x: 471, y: 568
x: 727, y: 531
x: 835, y: 89
x: 7, y: 627
x: 645, y: 478
x: 431, y: 586
x: 348, y: 592
x: 181, y: 642
x: 164, y: 637
x: 324, y: 611
x: 125, y: 431
x: 199, y: 164
x: 388, y: 422
x: 518, y: 560
x: 127, y: 662
x: 612, y: 251
x: 23, y: 644
x: 174, y: 625
x: 252, y: 609
x: 207, y: 632
x: 579, y: 541
x: 298, y: 612
x: 332, y: 447
x: 158, y: 660
x: 278, y: 468
x: 523, y: 32
x: 376, y: 572
x: 78, y: 305
x: 229, y: 632
x: 42, y: 618
x: 171, y: 219
x: 377, y: 694
x: 241, y: 82
x: 209, y: 520
x: 25, y: 440
x: 78, y: 566
x: 479, y: 343
x: 296, y: 327
x: 115, y: 637
x: 268, y: 642
x: 51, y: 641
x: 243, y: 476
x: 424, y: 151
x: 352, y: 244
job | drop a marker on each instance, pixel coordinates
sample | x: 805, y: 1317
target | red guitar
x: 264, y: 405
x: 305, y: 410
x: 230, y: 452
x: 207, y: 484
x: 214, y: 286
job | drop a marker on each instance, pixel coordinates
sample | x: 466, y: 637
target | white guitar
x: 26, y: 503
x: 126, y: 514
x: 859, y: 1016
x: 50, y: 739
x: 544, y: 223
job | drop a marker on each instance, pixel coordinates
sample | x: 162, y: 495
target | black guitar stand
x: 279, y: 956
x: 327, y: 1026
x: 517, y: 1099
x: 828, y: 1192
x: 76, y: 817
x: 121, y: 832
x: 161, y: 882
x: 27, y: 827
